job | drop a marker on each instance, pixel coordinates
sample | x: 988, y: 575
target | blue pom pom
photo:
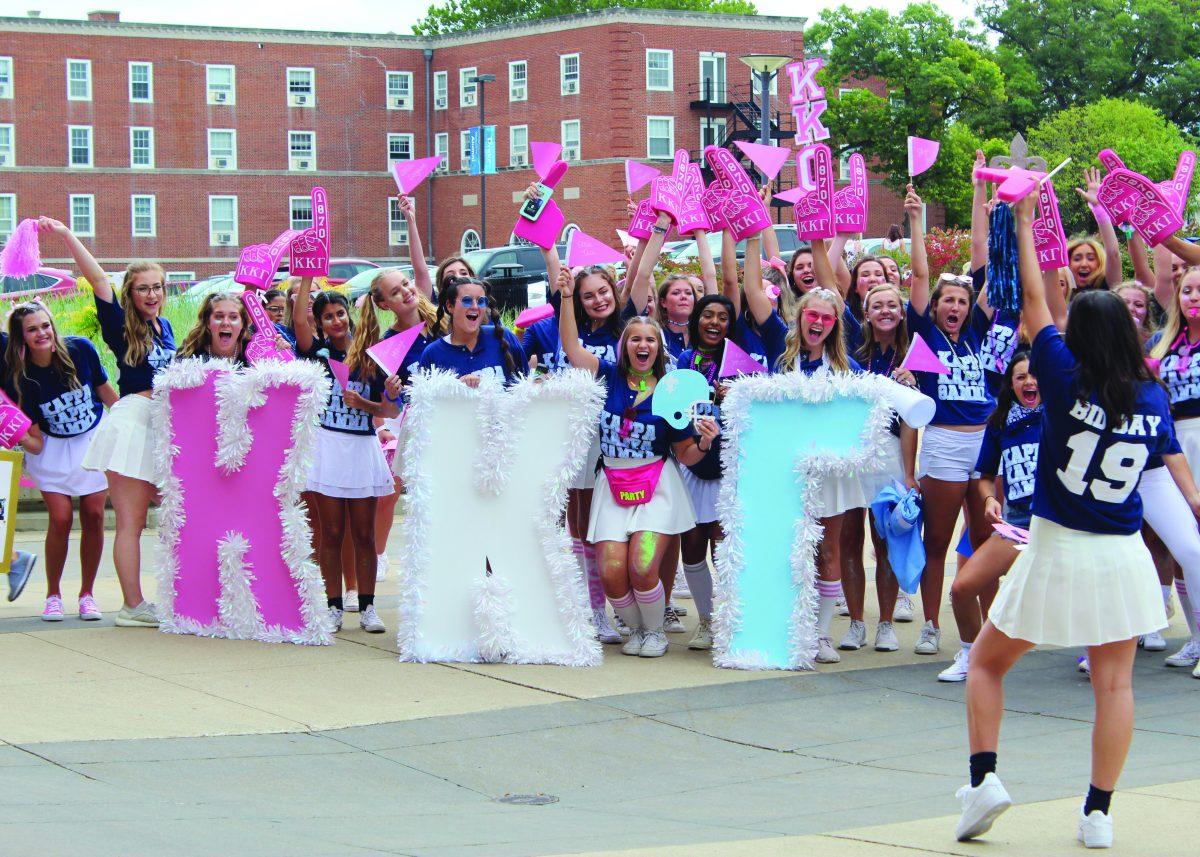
x: 1003, y: 281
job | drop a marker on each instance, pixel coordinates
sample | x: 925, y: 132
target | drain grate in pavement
x: 527, y: 800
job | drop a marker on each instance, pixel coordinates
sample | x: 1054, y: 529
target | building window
x: 400, y: 147
x: 467, y: 90
x: 712, y: 76
x: 144, y: 216
x: 79, y: 144
x: 181, y: 276
x: 570, y: 140
x: 712, y: 132
x: 8, y: 146
x: 464, y: 144
x: 441, y: 90
x: 8, y: 215
x: 302, y: 151
x: 755, y: 89
x: 518, y: 80
x: 141, y: 148
x: 6, y: 77
x: 141, y: 82
x: 300, y: 214
x: 222, y: 149
x: 221, y: 82
x: 844, y: 165
x: 518, y: 145
x: 79, y: 80
x: 399, y: 90
x: 660, y: 70
x: 441, y: 148
x: 469, y: 242
x: 660, y: 137
x: 568, y: 66
x: 83, y: 214
x: 301, y: 87
x: 222, y: 221
x: 397, y: 224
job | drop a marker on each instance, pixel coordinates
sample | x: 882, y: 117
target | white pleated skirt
x: 122, y: 442
x: 1188, y: 433
x: 1071, y: 588
x: 669, y: 511
x: 703, y: 494
x: 349, y: 466
x: 839, y: 494
x: 585, y: 479
x: 58, y: 468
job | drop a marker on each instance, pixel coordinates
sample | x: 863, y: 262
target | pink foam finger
x: 13, y: 423
x: 850, y: 202
x: 1049, y: 239
x: 813, y: 212
x: 258, y: 263
x: 545, y: 230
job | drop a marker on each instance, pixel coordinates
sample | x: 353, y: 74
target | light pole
x: 479, y: 80
x: 765, y: 66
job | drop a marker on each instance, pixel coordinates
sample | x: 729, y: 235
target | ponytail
x: 366, y: 336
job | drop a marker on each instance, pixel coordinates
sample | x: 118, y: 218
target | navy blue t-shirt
x: 962, y: 397
x: 541, y: 340
x: 810, y: 367
x: 1181, y: 379
x: 881, y: 362
x: 998, y: 348
x: 642, y: 434
x: 58, y: 410
x: 338, y: 416
x: 764, y: 342
x: 139, y: 378
x: 853, y: 328
x: 1088, y: 472
x: 486, y: 361
x: 1011, y: 453
x: 708, y: 467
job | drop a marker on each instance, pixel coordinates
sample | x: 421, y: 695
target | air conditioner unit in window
x: 397, y: 102
x: 440, y: 103
x: 571, y: 87
x: 570, y: 155
x: 397, y: 238
x: 301, y: 164
x: 299, y: 100
x: 220, y: 97
x: 220, y: 163
x: 224, y: 238
x: 518, y: 161
x: 3, y: 160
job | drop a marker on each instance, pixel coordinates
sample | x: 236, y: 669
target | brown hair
x: 139, y: 336
x: 198, y: 342
x: 440, y: 275
x: 14, y: 355
x: 869, y: 342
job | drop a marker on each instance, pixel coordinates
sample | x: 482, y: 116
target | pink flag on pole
x: 921, y: 154
x: 544, y: 155
x: 583, y: 249
x: 340, y: 371
x: 920, y: 358
x: 735, y: 361
x: 768, y: 159
x: 390, y: 353
x: 409, y: 174
x: 638, y: 175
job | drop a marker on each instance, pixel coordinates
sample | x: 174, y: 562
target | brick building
x: 181, y: 143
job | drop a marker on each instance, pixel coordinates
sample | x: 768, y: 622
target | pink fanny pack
x: 633, y: 486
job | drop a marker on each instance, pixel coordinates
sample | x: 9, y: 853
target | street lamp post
x: 765, y: 66
x: 479, y: 80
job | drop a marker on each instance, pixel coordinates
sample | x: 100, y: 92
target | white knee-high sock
x: 626, y: 607
x: 700, y: 584
x: 1189, y: 613
x: 651, y: 605
x: 829, y: 590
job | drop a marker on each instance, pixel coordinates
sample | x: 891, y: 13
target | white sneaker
x: 702, y: 640
x: 633, y: 646
x: 1188, y: 656
x: 840, y: 607
x: 980, y: 807
x: 1095, y: 830
x: 605, y: 632
x: 381, y: 567
x: 855, y: 638
x: 930, y: 641
x: 350, y: 601
x: 679, y: 609
x: 368, y: 620
x: 335, y: 619
x: 1196, y: 671
x: 671, y: 623
x: 957, y: 671
x: 904, y: 608
x: 620, y: 626
x: 680, y: 589
x: 885, y: 638
x: 1154, y: 642
x: 826, y: 653
x: 654, y: 645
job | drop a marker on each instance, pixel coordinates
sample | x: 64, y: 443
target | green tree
x: 456, y: 16
x: 1143, y: 138
x: 1081, y: 52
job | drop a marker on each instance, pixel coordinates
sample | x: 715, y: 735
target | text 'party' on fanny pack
x: 633, y: 486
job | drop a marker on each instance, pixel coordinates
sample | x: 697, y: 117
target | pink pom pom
x: 21, y: 256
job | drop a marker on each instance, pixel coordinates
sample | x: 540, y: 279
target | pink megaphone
x: 1013, y: 183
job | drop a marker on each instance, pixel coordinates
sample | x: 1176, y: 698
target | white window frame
x: 8, y: 156
x: 400, y: 138
x: 564, y: 87
x: 441, y: 146
x: 563, y: 138
x: 212, y: 232
x: 149, y: 99
x: 79, y: 231
x: 213, y: 95
x: 231, y: 158
x: 716, y: 122
x: 521, y: 93
x: 301, y: 99
x: 294, y: 159
x: 397, y: 101
x: 468, y: 93
x: 7, y: 229
x: 773, y: 87
x: 181, y: 276
x: 150, y: 139
x: 462, y: 242
x: 91, y: 146
x: 133, y: 201
x: 670, y: 84
x: 292, y: 222
x: 397, y: 227
x: 441, y: 90
x: 670, y: 141
x: 464, y: 151
x: 87, y: 65
x: 714, y: 56
x: 6, y: 84
x: 512, y: 147
x: 844, y: 165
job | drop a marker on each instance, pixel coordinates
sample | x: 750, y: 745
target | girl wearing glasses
x: 472, y: 349
x: 348, y: 471
x: 221, y: 331
x: 143, y: 342
x: 62, y: 387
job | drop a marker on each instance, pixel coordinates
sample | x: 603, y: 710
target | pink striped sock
x: 627, y: 610
x: 625, y: 600
x: 592, y: 568
x: 829, y: 588
x: 650, y: 594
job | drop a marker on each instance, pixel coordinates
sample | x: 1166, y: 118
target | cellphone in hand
x: 532, y: 209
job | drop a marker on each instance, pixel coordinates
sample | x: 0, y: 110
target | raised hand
x: 1091, y: 191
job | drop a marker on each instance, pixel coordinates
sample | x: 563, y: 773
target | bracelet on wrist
x: 658, y: 230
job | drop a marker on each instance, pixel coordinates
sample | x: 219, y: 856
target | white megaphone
x: 913, y: 406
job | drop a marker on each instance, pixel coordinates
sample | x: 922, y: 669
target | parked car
x: 874, y: 246
x: 358, y: 285
x: 218, y: 283
x: 784, y: 232
x: 45, y: 281
x: 511, y: 272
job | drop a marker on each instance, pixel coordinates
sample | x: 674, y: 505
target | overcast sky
x: 368, y: 16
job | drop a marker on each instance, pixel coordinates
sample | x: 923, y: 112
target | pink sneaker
x: 53, y: 610
x: 88, y: 611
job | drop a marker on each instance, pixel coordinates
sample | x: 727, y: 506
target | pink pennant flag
x: 340, y: 371
x: 638, y: 175
x: 409, y: 174
x: 390, y: 353
x: 768, y: 159
x: 735, y: 361
x: 529, y: 317
x: 544, y: 155
x: 921, y: 154
x: 793, y: 196
x: 920, y: 358
x: 1013, y: 534
x: 583, y: 249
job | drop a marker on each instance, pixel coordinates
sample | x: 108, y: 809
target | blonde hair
x: 1097, y: 275
x: 835, y: 343
x: 368, y: 332
x: 14, y: 355
x: 869, y: 342
x: 198, y: 342
x: 1175, y: 323
x: 139, y: 336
